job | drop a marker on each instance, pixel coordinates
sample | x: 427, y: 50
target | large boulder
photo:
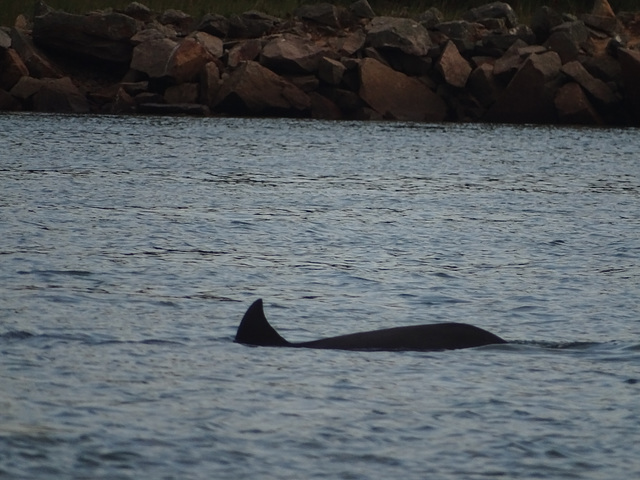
x: 101, y: 36
x: 529, y: 97
x: 630, y: 66
x: 252, y: 89
x: 8, y: 102
x: 494, y: 10
x: 37, y: 62
x: 401, y: 34
x: 320, y: 13
x: 397, y: 96
x: 12, y: 68
x: 55, y: 95
x: 252, y: 24
x: 464, y: 34
x: 152, y: 56
x: 574, y: 107
x: 164, y: 58
x: 598, y: 91
x: 291, y: 54
x: 455, y: 70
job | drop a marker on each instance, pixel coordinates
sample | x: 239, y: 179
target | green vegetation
x: 451, y: 8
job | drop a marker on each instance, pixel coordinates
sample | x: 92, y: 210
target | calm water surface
x: 131, y: 247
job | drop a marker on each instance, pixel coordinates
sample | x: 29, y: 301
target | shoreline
x: 329, y: 62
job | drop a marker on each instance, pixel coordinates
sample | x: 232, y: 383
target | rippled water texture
x: 131, y: 247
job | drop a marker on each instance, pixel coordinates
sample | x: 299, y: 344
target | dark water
x: 130, y: 248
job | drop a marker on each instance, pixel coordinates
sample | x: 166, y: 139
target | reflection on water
x: 131, y: 247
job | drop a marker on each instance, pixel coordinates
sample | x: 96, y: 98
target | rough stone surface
x: 331, y: 71
x: 214, y: 24
x: 59, y: 95
x: 152, y: 57
x: 183, y: 93
x: 8, y: 102
x: 291, y: 54
x: 254, y: 89
x: 574, y: 107
x: 596, y: 88
x: 252, y: 24
x: 499, y: 10
x: 244, y: 51
x: 38, y: 64
x: 543, y: 20
x: 529, y: 97
x: 394, y: 95
x: 101, y: 36
x: 12, y: 68
x: 453, y: 67
x: 5, y: 40
x: 211, y: 43
x: 187, y: 60
x: 482, y: 85
x: 401, y: 34
x: 321, y: 13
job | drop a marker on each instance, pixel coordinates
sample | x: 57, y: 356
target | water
x: 131, y: 247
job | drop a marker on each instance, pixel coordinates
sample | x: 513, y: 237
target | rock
x: 349, y: 44
x: 602, y: 8
x: 430, y: 18
x: 401, y: 34
x: 214, y: 24
x: 151, y: 57
x: 604, y: 67
x: 331, y: 71
x: 212, y: 44
x: 630, y: 69
x: 99, y: 36
x: 38, y: 64
x: 187, y: 60
x: 543, y: 21
x: 291, y: 54
x: 500, y: 42
x: 396, y: 96
x: 183, y: 93
x: 573, y: 106
x: 561, y: 43
x: 576, y: 30
x: 8, y: 102
x: 493, y: 10
x: 321, y: 13
x: 254, y: 89
x: 482, y: 85
x: 122, y: 103
x: 181, y: 22
x: 244, y: 51
x: 5, y: 40
x: 454, y: 69
x: 26, y: 88
x: 361, y: 9
x: 597, y: 89
x: 59, y: 95
x: 174, y: 109
x: 529, y: 97
x: 322, y: 108
x: 252, y: 24
x: 138, y: 11
x: 463, y: 33
x: 12, y: 68
x: 209, y: 83
x: 609, y: 25
x: 508, y: 64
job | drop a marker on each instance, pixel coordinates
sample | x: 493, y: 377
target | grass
x: 451, y: 8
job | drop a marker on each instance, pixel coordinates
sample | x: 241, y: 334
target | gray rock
x: 321, y: 13
x: 252, y: 24
x: 455, y: 70
x: 362, y: 9
x: 213, y: 24
x: 493, y: 10
x: 543, y: 20
x: 401, y: 34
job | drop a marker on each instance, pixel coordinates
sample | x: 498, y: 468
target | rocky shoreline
x: 328, y: 62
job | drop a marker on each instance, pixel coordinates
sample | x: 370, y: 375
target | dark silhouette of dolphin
x: 254, y: 329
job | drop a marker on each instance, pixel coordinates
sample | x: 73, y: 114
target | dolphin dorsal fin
x: 254, y: 329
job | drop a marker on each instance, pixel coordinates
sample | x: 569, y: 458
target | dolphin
x: 255, y: 330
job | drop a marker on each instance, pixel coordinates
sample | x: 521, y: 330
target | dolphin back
x: 254, y: 329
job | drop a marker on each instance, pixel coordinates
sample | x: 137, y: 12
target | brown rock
x: 394, y: 95
x: 209, y: 83
x: 561, y: 43
x: 254, y: 89
x: 151, y: 57
x: 331, y: 71
x: 630, y: 66
x: 212, y: 44
x: 453, y: 67
x: 323, y: 108
x: 123, y: 102
x: 187, y: 60
x: 244, y: 51
x: 482, y: 85
x: 291, y: 54
x: 602, y: 8
x: 183, y: 93
x: 8, y: 103
x: 529, y: 97
x: 508, y: 64
x: 38, y: 64
x: 596, y: 88
x: 5, y: 40
x: 12, y: 68
x: 101, y: 36
x: 59, y: 95
x: 574, y: 107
